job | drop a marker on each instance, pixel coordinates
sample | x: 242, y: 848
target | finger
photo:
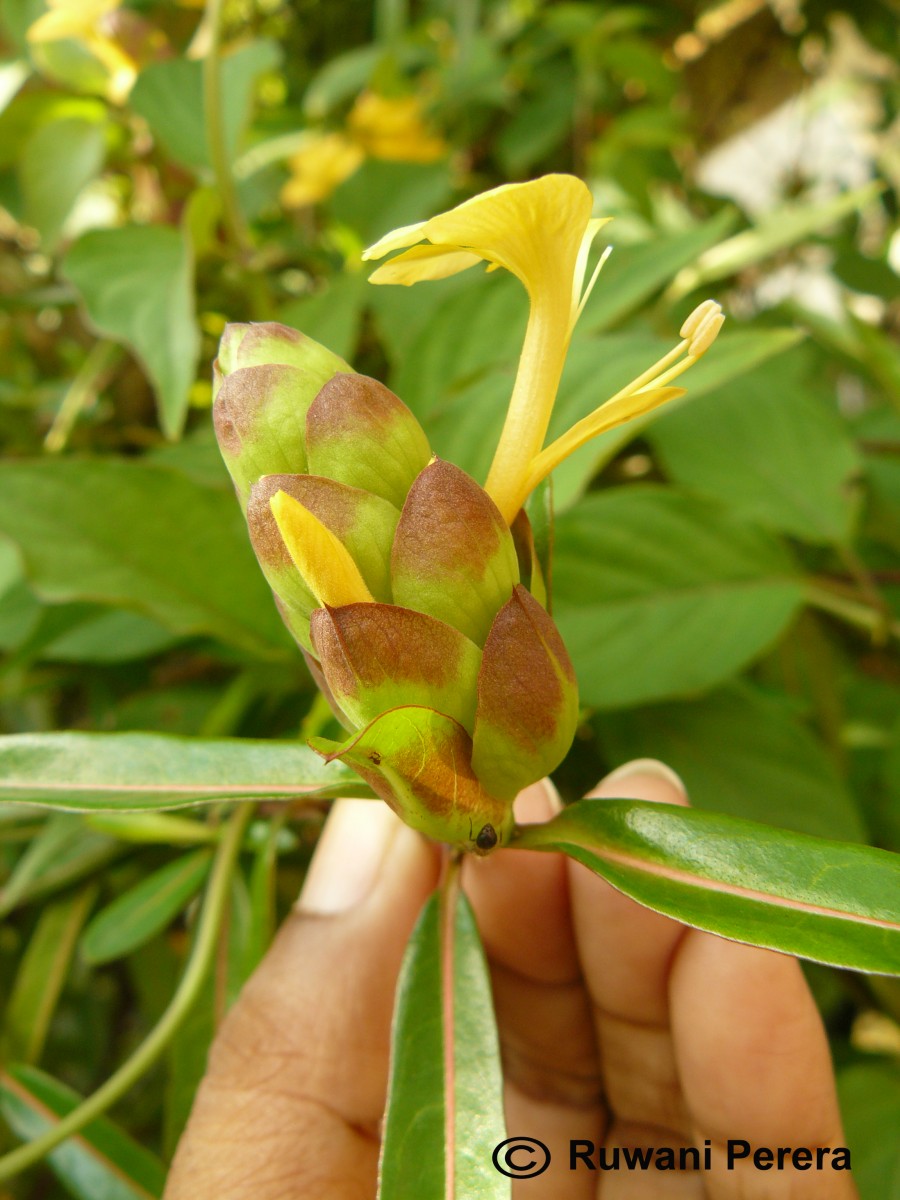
x: 291, y: 1103
x: 521, y: 902
x: 626, y: 952
x: 754, y: 1063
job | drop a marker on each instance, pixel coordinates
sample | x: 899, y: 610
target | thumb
x: 293, y: 1097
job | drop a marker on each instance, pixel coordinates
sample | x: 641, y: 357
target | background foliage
x: 727, y: 576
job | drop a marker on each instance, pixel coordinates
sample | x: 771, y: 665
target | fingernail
x: 349, y: 857
x: 646, y: 766
x: 538, y: 802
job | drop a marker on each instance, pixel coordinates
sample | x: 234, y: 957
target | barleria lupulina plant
x: 416, y: 594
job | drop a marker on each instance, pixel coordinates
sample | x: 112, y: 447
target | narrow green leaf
x: 176, y: 551
x: 62, y: 853
x: 42, y: 973
x: 146, y: 909
x: 103, y: 1161
x: 134, y: 772
x: 445, y: 1112
x: 137, y: 286
x: 659, y: 594
x: 778, y: 229
x: 829, y: 901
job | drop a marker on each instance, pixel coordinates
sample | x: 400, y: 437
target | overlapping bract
x: 400, y: 579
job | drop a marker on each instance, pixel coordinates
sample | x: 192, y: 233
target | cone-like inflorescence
x: 403, y: 584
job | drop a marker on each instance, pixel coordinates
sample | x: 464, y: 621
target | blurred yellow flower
x: 393, y: 129
x: 326, y: 160
x: 84, y: 22
x: 384, y: 127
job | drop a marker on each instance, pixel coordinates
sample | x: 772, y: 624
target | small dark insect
x: 487, y: 838
x: 375, y: 757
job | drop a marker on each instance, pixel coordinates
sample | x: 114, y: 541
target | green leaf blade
x: 828, y: 901
x: 659, y: 594
x: 176, y: 551
x: 103, y: 1161
x: 146, y: 909
x: 137, y: 287
x: 137, y: 772
x: 445, y: 1113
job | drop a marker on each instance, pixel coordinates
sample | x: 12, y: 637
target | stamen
x: 593, y: 279
x: 698, y: 316
x: 706, y: 334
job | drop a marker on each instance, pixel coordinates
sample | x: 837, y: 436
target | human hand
x: 618, y: 1027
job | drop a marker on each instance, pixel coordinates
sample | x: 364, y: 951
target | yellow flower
x: 83, y: 21
x: 393, y: 129
x: 389, y: 128
x: 542, y: 233
x: 325, y: 161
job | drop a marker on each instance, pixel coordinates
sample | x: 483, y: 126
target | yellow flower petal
x: 424, y: 262
x: 321, y: 558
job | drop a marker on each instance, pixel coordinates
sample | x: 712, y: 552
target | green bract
x: 401, y: 581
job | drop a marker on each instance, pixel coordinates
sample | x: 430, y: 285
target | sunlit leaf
x: 445, y: 1113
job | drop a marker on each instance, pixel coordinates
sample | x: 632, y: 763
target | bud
x: 264, y: 380
x: 399, y: 578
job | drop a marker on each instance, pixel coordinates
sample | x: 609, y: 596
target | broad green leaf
x: 778, y: 229
x: 137, y: 286
x: 134, y: 772
x: 59, y: 161
x: 42, y: 973
x: 331, y: 315
x: 598, y: 367
x: 829, y: 901
x: 634, y: 273
x: 385, y: 195
x: 169, y: 96
x: 143, y: 537
x: 471, y: 332
x: 100, y: 635
x: 464, y: 427
x: 146, y: 909
x: 870, y: 1105
x: 445, y: 1113
x: 62, y: 853
x: 659, y: 594
x: 743, y: 753
x: 771, y: 446
x: 102, y: 1163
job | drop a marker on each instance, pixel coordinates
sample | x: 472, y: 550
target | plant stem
x: 232, y: 216
x: 854, y: 611
x: 82, y: 393
x: 163, y: 1032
